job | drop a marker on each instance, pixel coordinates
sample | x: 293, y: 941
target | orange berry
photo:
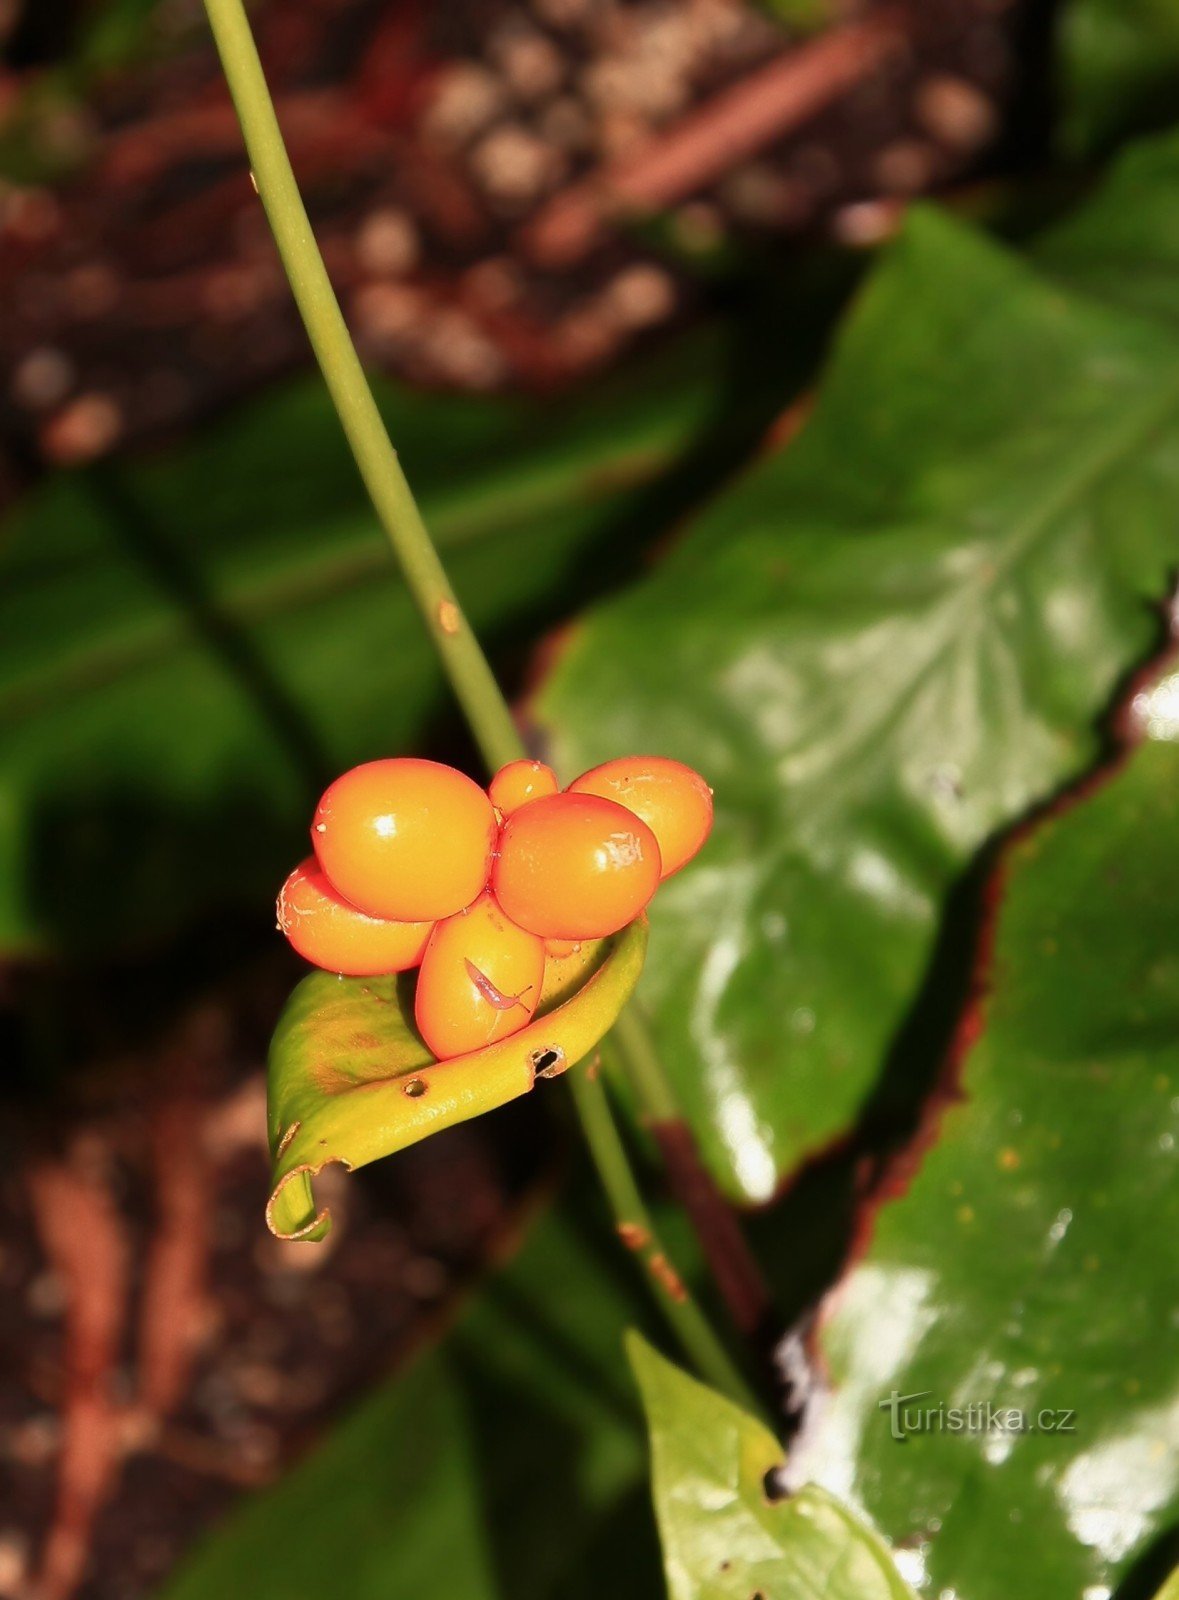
x: 330, y: 933
x: 405, y: 839
x: 519, y: 782
x: 575, y: 866
x: 674, y: 801
x: 480, y: 981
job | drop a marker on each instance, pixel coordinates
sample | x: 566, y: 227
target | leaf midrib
x: 967, y: 606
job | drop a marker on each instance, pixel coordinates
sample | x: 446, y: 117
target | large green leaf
x: 883, y: 645
x: 191, y: 645
x: 1032, y: 1262
x: 506, y: 1465
x: 1118, y: 69
x: 350, y: 1079
x: 724, y: 1537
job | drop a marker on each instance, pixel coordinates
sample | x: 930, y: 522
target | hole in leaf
x: 414, y: 1088
x: 548, y: 1063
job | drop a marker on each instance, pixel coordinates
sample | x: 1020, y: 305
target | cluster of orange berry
x: 416, y: 866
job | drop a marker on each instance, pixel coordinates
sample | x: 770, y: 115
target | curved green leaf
x: 350, y: 1080
x: 723, y: 1537
x: 880, y: 647
x: 1031, y: 1264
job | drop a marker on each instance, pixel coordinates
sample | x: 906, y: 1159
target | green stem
x: 637, y: 1231
x: 644, y: 1067
x: 466, y: 666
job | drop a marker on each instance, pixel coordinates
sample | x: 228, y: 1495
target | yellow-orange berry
x: 480, y: 981
x: 330, y: 933
x: 575, y: 866
x: 674, y: 801
x: 558, y: 949
x: 519, y: 782
x: 405, y: 839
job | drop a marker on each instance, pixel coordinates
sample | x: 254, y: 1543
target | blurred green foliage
x: 1118, y: 70
x: 507, y: 1462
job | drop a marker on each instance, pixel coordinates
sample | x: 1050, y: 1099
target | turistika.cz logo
x: 907, y: 1416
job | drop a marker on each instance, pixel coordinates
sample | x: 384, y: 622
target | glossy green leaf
x: 350, y: 1079
x: 882, y: 645
x: 191, y: 646
x: 723, y: 1537
x: 1118, y: 69
x: 508, y: 1464
x: 1170, y: 1589
x: 1031, y: 1264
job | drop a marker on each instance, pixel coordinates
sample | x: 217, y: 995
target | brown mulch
x: 160, y: 1352
x: 472, y: 171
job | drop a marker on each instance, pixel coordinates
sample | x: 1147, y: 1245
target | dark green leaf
x: 1031, y: 1265
x: 507, y: 1465
x: 350, y: 1080
x: 191, y: 646
x: 1123, y: 246
x: 723, y: 1537
x: 880, y: 647
x: 1119, y: 69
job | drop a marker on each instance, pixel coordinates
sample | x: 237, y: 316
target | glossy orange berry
x: 674, y: 801
x: 405, y: 839
x: 330, y: 933
x: 480, y: 981
x: 519, y: 782
x: 575, y: 866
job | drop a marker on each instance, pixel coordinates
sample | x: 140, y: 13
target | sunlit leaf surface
x: 881, y: 646
x: 1032, y: 1263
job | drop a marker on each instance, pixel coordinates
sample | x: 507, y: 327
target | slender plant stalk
x: 645, y: 1068
x: 466, y: 666
x: 637, y: 1231
x: 464, y: 661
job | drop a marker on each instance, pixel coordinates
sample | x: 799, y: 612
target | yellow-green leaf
x: 350, y: 1080
x: 725, y: 1537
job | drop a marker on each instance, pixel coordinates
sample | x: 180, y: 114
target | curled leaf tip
x: 350, y: 1079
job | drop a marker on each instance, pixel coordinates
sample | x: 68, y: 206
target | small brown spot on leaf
x: 365, y: 1041
x: 449, y: 617
x: 415, y: 1088
x: 633, y: 1236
